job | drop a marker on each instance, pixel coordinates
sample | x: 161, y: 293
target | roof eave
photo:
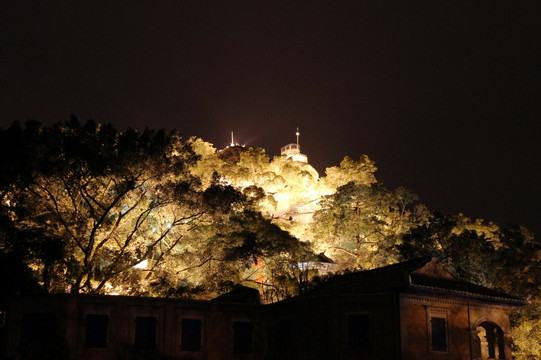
x: 508, y: 301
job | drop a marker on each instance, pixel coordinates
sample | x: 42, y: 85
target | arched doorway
x: 491, y: 341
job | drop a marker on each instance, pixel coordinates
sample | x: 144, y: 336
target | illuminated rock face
x: 408, y: 311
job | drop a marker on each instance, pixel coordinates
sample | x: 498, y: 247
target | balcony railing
x: 291, y: 148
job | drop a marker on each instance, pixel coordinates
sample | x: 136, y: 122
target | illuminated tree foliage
x: 527, y: 331
x: 262, y: 252
x: 283, y: 181
x: 360, y: 172
x: 108, y: 196
x: 360, y: 225
x: 277, y: 188
x: 208, y: 166
x: 115, y: 212
x: 87, y: 208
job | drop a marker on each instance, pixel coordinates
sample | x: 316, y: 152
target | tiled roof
x: 463, y: 287
x: 418, y: 275
x: 240, y: 294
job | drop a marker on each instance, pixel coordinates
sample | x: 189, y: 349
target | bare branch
x: 344, y: 250
x: 60, y: 217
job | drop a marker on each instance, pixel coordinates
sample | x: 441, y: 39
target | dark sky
x: 443, y: 95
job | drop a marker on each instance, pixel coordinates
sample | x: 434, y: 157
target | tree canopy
x: 118, y: 212
x: 89, y: 208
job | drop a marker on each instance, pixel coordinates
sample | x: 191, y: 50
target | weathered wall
x: 462, y: 319
x: 301, y: 328
x: 320, y: 327
x: 70, y: 312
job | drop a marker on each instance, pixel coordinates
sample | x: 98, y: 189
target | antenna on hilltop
x: 232, y: 141
x: 297, y: 133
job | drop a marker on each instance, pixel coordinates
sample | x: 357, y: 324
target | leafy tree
x: 466, y: 253
x: 265, y: 252
x: 293, y: 184
x: 242, y: 247
x: 526, y: 330
x: 517, y: 262
x: 259, y: 199
x: 361, y: 224
x: 208, y: 166
x: 18, y: 249
x: 360, y: 172
x: 277, y: 188
x: 20, y: 157
x: 135, y: 213
x: 87, y: 208
x: 251, y: 169
x: 113, y: 198
x: 517, y: 269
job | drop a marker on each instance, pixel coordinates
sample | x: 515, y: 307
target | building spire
x: 232, y: 140
x: 297, y: 133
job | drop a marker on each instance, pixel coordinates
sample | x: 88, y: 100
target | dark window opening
x: 37, y: 329
x: 359, y: 331
x: 2, y: 319
x: 145, y: 333
x: 439, y: 333
x: 96, y: 331
x: 242, y: 337
x: 191, y: 335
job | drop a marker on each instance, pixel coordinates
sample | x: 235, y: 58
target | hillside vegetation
x: 86, y: 208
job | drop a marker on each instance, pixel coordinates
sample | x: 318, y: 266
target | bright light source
x: 142, y: 265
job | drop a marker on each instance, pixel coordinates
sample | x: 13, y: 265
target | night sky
x: 443, y: 95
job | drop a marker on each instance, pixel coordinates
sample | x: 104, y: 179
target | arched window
x: 490, y: 341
